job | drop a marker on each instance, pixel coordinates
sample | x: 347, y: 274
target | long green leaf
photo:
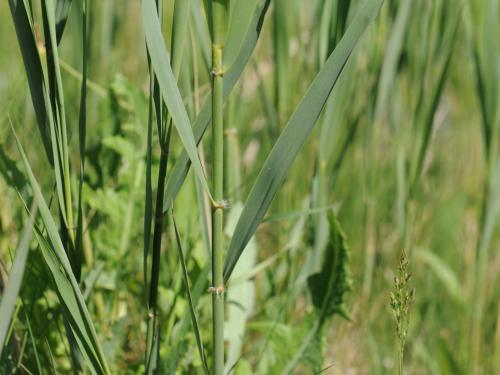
x: 427, y: 126
x: 168, y: 86
x: 192, y: 309
x: 294, y: 135
x: 11, y: 292
x: 82, y: 134
x: 67, y: 286
x: 392, y: 55
x: 33, y: 67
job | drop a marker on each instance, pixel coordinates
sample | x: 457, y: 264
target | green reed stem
x: 217, y: 214
x: 219, y: 13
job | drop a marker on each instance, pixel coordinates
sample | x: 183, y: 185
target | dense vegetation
x: 249, y: 186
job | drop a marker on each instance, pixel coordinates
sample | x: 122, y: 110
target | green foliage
x: 380, y: 116
x: 328, y: 287
x: 283, y: 342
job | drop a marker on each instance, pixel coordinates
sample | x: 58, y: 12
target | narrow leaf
x: 168, y: 86
x: 294, y: 135
x: 66, y: 284
x: 192, y: 310
x: 11, y: 291
x: 33, y: 67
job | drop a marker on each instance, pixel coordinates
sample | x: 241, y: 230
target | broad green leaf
x: 294, y: 135
x: 201, y: 123
x: 9, y: 297
x: 168, y: 86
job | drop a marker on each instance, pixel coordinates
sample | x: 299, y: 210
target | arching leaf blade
x: 168, y: 85
x: 294, y: 135
x: 9, y: 297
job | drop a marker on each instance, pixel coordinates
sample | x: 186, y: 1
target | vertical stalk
x: 219, y: 12
x: 217, y: 213
x: 158, y: 230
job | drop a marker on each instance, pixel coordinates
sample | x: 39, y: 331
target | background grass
x: 361, y: 159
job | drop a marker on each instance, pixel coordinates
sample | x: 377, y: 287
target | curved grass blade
x: 192, y: 311
x: 428, y: 122
x: 57, y: 117
x: 392, y: 55
x: 444, y: 273
x: 294, y: 135
x: 15, y: 280
x: 33, y: 66
x: 178, y: 41
x: 78, y: 335
x: 168, y: 86
x: 201, y: 123
x: 66, y: 284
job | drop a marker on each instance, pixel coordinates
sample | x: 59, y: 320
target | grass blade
x: 424, y: 139
x: 192, y: 310
x: 33, y: 66
x: 294, y: 135
x: 148, y: 207
x: 392, y: 55
x: 168, y: 86
x: 67, y: 286
x: 82, y: 133
x: 15, y: 280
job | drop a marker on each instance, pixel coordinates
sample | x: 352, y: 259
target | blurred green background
x: 400, y: 153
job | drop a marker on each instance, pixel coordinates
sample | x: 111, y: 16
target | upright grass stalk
x: 219, y: 10
x: 164, y: 125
